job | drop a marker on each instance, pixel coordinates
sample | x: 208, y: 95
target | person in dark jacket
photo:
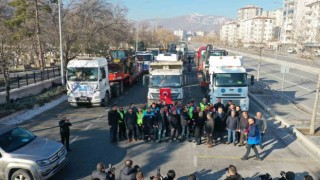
x: 161, y: 124
x: 238, y: 111
x: 175, y: 123
x: 232, y: 125
x: 199, y: 119
x: 254, y: 139
x: 128, y: 172
x: 218, y: 104
x: 102, y: 173
x: 113, y: 121
x: 243, y: 125
x: 64, y: 125
x: 131, y: 123
x: 227, y: 106
x: 185, y: 119
x: 233, y: 174
x: 219, y: 124
x: 262, y: 124
x: 210, y: 129
x: 148, y: 121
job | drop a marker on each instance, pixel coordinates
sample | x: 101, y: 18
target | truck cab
x: 165, y: 74
x: 87, y: 82
x: 228, y: 80
x: 144, y: 59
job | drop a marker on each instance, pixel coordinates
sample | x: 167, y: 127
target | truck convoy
x: 228, y: 80
x: 165, y: 81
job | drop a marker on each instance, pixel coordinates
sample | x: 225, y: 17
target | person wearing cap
x: 148, y: 120
x: 113, y: 121
x: 122, y: 125
x: 203, y: 104
x: 232, y: 125
x: 218, y: 104
x: 64, y: 125
x: 131, y: 122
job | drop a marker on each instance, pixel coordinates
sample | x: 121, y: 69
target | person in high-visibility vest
x: 191, y: 121
x: 204, y: 104
x: 122, y: 126
x: 140, y: 123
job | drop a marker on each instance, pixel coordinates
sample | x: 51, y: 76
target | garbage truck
x: 165, y: 79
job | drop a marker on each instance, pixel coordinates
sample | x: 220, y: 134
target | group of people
x: 175, y: 122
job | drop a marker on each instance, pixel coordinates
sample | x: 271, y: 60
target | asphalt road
x: 90, y: 145
x: 298, y: 86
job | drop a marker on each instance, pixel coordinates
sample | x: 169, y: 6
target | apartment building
x: 258, y: 30
x: 249, y: 12
x: 230, y: 32
x: 180, y: 33
x: 312, y: 21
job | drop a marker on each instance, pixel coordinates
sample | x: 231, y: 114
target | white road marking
x: 285, y: 80
x: 293, y: 74
x: 88, y: 127
x: 195, y: 161
x: 74, y: 139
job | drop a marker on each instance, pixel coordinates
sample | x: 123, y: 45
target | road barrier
x: 25, y: 79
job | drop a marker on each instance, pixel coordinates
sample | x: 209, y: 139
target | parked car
x: 26, y: 156
x: 292, y: 51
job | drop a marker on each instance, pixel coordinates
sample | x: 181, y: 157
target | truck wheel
x: 21, y: 174
x: 105, y: 101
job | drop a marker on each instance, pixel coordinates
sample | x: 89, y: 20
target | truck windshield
x: 15, y: 139
x: 82, y: 74
x: 165, y: 81
x: 146, y: 57
x: 114, y: 68
x: 155, y: 52
x: 231, y: 79
x: 118, y: 54
x: 218, y: 53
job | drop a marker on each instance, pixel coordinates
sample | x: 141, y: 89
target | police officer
x: 64, y: 125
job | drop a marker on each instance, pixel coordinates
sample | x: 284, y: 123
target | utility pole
x: 40, y: 55
x: 315, y: 108
x: 259, y: 64
x: 137, y: 36
x: 61, y: 51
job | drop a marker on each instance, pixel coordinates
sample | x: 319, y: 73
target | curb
x: 24, y: 115
x: 304, y: 140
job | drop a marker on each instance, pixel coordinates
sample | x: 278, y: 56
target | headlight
x: 239, y: 90
x: 223, y: 90
x: 44, y: 162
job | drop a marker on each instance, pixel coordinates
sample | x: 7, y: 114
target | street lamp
x: 61, y: 51
x: 137, y: 27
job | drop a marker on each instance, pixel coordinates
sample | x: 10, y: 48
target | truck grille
x: 157, y: 95
x: 231, y: 94
x: 235, y: 101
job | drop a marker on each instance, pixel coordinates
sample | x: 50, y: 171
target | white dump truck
x: 88, y: 82
x: 228, y: 80
x: 166, y: 80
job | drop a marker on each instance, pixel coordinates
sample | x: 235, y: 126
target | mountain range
x: 192, y: 22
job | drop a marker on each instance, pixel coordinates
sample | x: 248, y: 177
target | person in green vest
x: 204, y: 104
x: 191, y: 121
x: 122, y: 125
x: 139, y: 123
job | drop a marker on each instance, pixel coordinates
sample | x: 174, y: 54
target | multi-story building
x: 229, y: 32
x: 293, y: 18
x: 249, y: 12
x: 312, y: 21
x: 180, y: 33
x: 258, y: 30
x: 199, y: 33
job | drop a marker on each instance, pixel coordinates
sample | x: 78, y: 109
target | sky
x: 147, y: 9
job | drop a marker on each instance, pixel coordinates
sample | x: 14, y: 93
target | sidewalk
x: 282, y: 110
